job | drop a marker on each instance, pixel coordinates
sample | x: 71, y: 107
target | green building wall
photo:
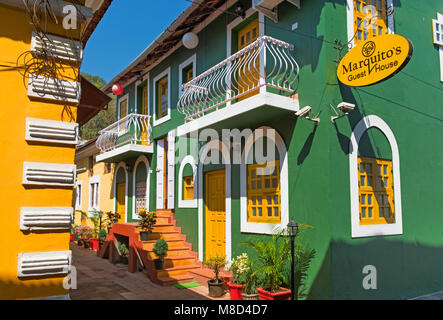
x: 408, y: 265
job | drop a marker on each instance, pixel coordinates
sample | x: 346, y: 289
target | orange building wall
x: 15, y: 107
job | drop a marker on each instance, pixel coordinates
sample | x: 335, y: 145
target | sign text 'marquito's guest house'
x: 356, y: 146
x: 44, y: 100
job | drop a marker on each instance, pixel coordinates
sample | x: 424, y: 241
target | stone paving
x: 98, y: 279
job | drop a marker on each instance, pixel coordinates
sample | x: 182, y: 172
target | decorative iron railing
x: 265, y: 63
x: 132, y: 129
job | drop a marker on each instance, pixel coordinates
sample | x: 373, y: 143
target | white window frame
x: 123, y: 98
x: 187, y: 203
x: 440, y: 19
x: 259, y: 227
x: 191, y: 60
x: 350, y: 21
x: 154, y: 113
x: 95, y: 180
x: 78, y: 195
x: 358, y: 231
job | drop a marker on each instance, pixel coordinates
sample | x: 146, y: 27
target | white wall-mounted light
x: 345, y: 108
x: 304, y: 113
x: 190, y: 40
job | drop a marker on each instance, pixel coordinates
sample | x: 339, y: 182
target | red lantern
x: 117, y: 89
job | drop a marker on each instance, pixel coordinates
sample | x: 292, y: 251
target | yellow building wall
x: 106, y: 192
x: 15, y: 107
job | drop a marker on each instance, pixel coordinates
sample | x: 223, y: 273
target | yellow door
x: 121, y: 206
x: 248, y: 77
x: 215, y: 213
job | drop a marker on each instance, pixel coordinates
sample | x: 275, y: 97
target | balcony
x: 254, y: 84
x: 125, y: 138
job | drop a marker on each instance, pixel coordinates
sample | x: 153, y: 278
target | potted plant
x: 96, y: 218
x: 101, y: 237
x: 79, y: 235
x: 239, y: 267
x: 272, y: 256
x: 111, y: 217
x: 124, y: 252
x: 250, y: 289
x: 146, y: 223
x: 215, y: 286
x: 86, y: 235
x: 72, y: 236
x: 160, y: 250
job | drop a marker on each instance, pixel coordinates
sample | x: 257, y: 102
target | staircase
x: 181, y: 263
x: 180, y: 258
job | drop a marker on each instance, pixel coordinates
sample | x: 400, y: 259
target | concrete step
x: 175, y: 234
x: 164, y: 227
x: 170, y: 281
x: 175, y: 271
x: 172, y: 252
x: 179, y: 261
x: 172, y: 243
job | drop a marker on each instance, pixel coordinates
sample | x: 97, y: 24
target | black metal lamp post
x: 292, y: 230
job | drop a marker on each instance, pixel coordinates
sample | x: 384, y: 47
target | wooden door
x: 215, y: 220
x: 121, y: 203
x: 248, y: 77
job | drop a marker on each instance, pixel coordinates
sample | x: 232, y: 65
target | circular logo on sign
x: 368, y: 49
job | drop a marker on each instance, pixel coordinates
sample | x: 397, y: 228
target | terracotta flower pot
x: 159, y: 264
x: 144, y: 236
x: 71, y: 237
x: 94, y: 244
x: 80, y: 242
x: 86, y: 243
x: 253, y: 296
x: 282, y: 294
x: 236, y: 290
x: 215, y: 288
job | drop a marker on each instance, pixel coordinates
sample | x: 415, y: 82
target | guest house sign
x: 374, y: 60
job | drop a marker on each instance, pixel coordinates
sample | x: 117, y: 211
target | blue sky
x: 127, y: 28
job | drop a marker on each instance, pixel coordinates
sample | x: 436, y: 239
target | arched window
x: 187, y: 183
x: 374, y: 179
x: 264, y: 187
x: 140, y: 186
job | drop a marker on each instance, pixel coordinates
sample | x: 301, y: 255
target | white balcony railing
x: 267, y: 62
x: 132, y: 129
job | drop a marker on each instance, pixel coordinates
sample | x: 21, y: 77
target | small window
x: 123, y: 108
x: 437, y: 30
x: 370, y: 19
x: 78, y: 193
x: 264, y: 193
x: 188, y: 73
x: 188, y: 185
x: 93, y: 200
x: 145, y: 100
x: 376, y: 192
x: 162, y: 97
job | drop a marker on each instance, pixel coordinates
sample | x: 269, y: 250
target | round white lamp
x: 190, y: 40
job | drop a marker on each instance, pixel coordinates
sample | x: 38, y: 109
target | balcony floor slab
x: 124, y: 152
x: 246, y: 113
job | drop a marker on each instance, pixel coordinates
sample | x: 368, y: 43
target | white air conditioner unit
x: 267, y: 7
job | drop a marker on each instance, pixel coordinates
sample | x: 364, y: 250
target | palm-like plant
x: 272, y: 256
x: 301, y: 267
